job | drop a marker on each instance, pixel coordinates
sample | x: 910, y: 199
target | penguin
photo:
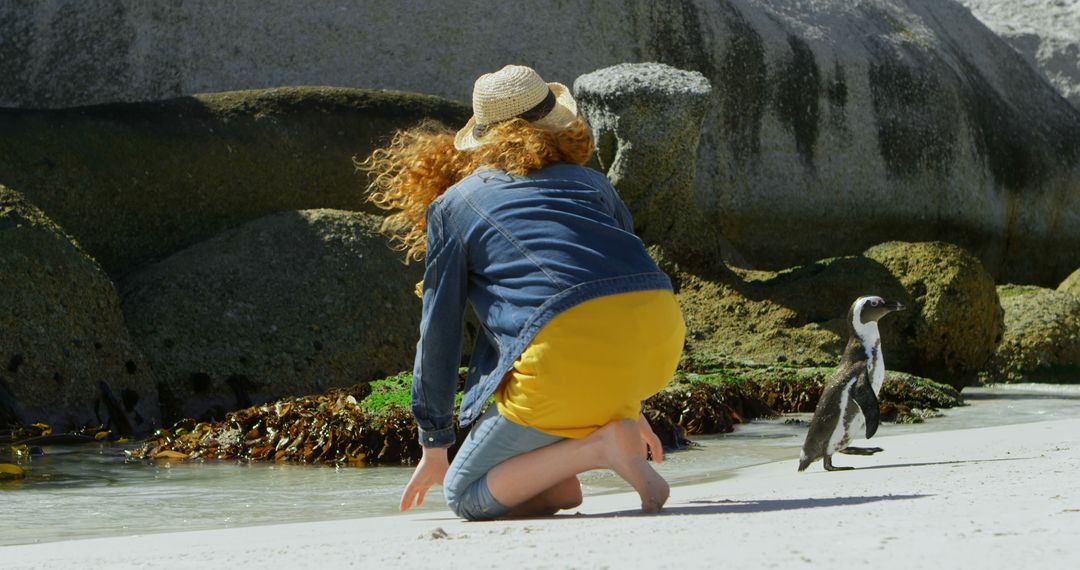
x: 849, y: 401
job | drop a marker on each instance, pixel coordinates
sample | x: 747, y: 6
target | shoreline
x: 369, y: 424
x: 990, y: 497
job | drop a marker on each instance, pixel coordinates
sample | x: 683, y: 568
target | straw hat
x: 515, y: 91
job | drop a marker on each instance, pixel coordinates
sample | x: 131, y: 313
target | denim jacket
x: 520, y: 249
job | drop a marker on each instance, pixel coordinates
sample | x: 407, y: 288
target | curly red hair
x: 421, y: 163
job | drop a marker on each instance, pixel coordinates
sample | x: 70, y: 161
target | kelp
x: 12, y: 455
x: 10, y: 472
x: 371, y: 423
x: 19, y: 444
x: 707, y: 398
x: 336, y: 427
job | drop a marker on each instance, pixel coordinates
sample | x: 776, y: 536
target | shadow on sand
x: 726, y: 506
x: 958, y: 462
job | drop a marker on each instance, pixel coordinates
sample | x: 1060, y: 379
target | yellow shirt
x: 595, y: 363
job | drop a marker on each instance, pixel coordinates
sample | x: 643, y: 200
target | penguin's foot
x: 830, y: 467
x: 861, y: 450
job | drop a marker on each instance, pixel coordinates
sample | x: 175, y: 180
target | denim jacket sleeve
x: 615, y: 206
x: 442, y: 321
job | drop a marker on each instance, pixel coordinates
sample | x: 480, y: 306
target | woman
x: 578, y: 325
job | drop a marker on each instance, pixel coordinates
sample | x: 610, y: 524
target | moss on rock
x: 294, y: 303
x: 781, y: 389
x: 1071, y: 284
x: 1042, y: 337
x: 66, y: 357
x: 915, y: 392
x: 1009, y: 290
x: 388, y: 393
x: 135, y: 182
x: 792, y: 317
x: 955, y: 322
x: 796, y: 317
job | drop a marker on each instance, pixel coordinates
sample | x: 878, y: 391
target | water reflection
x: 89, y: 491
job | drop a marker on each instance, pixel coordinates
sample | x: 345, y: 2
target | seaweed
x: 371, y: 423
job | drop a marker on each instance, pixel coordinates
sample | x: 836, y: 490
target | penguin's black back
x: 828, y: 412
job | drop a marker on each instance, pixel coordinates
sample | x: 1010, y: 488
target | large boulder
x: 834, y: 125
x: 797, y: 317
x: 1045, y: 32
x: 66, y: 357
x: 290, y: 304
x: 136, y: 182
x: 1042, y: 336
x: 646, y: 119
x: 1071, y: 284
x: 793, y: 317
x: 955, y: 323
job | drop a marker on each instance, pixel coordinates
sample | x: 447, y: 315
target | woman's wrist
x: 435, y: 452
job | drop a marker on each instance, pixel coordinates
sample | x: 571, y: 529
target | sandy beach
x: 1003, y: 497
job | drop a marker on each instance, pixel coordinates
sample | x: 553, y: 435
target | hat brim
x: 562, y: 114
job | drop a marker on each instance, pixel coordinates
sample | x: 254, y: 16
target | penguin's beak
x: 894, y: 305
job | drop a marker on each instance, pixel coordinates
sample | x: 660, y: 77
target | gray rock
x: 835, y: 125
x: 62, y: 335
x: 136, y: 182
x: 646, y: 121
x: 1045, y: 32
x: 1042, y: 336
x: 290, y: 304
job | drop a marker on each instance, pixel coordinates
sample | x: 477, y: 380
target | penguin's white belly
x: 857, y: 428
x: 877, y: 372
x: 877, y: 378
x: 846, y: 431
x: 840, y: 435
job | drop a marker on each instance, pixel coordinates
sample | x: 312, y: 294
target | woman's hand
x: 430, y: 471
x: 649, y: 440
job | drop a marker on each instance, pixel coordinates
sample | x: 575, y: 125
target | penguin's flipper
x: 862, y: 391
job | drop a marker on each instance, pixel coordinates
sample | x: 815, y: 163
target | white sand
x: 1005, y: 497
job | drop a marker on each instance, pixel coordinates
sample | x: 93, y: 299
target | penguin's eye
x: 875, y: 302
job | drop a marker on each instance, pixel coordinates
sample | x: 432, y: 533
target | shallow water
x: 85, y: 492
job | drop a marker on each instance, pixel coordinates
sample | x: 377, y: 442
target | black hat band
x: 537, y: 112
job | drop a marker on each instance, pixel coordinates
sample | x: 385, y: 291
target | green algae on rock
x: 1010, y: 290
x: 796, y: 317
x: 67, y: 357
x: 1042, y: 336
x: 1071, y: 284
x: 765, y: 391
x: 135, y: 182
x: 293, y: 303
x: 793, y: 317
x: 955, y: 322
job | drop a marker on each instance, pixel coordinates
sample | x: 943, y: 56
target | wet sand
x: 1001, y: 497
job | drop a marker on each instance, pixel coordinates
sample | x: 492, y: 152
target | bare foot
x: 621, y: 449
x: 566, y: 494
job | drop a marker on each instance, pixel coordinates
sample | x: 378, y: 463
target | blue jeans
x: 492, y: 440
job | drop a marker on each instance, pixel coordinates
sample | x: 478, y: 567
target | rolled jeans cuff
x: 437, y: 438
